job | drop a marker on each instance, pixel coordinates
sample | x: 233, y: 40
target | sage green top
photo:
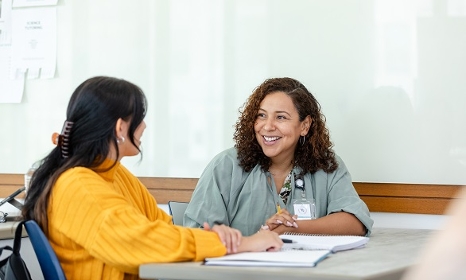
x: 226, y: 194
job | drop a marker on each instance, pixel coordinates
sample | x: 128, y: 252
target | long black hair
x: 94, y: 109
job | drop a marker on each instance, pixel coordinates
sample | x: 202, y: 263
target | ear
x: 306, y: 125
x: 121, y: 128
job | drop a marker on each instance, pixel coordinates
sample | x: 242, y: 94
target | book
x: 334, y: 243
x: 288, y: 258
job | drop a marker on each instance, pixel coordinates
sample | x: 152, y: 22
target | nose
x: 269, y: 124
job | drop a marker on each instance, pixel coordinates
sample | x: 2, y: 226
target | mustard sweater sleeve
x: 117, y: 222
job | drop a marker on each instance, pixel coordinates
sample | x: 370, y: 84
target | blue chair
x: 48, y: 261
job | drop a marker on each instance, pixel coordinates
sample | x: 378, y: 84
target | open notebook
x: 333, y: 243
x: 306, y: 250
x: 293, y: 258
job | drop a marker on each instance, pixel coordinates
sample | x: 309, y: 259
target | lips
x: 271, y: 138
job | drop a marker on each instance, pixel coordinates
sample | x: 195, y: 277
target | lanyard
x: 299, y: 184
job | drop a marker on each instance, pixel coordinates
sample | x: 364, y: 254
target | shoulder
x: 340, y: 162
x: 80, y: 173
x: 229, y: 154
x: 227, y: 159
x: 341, y: 165
x: 224, y: 165
x: 77, y: 182
x: 340, y: 171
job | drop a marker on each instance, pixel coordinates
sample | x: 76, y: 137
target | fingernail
x: 279, y: 222
x: 265, y: 227
x: 288, y: 223
x: 295, y: 224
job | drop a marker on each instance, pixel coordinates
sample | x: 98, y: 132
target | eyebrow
x: 276, y: 112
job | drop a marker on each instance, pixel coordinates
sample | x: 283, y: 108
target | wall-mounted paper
x: 34, y: 42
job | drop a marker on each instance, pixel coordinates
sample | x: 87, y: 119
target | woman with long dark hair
x: 99, y: 218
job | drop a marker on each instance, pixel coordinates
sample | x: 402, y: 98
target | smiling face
x: 278, y: 127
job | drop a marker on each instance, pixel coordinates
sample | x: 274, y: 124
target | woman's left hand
x: 230, y: 237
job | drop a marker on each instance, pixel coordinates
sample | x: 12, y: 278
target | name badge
x: 304, y: 208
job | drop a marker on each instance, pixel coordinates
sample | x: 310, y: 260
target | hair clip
x: 62, y: 140
x: 65, y: 133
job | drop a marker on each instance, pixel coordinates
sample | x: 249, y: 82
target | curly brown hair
x: 316, y: 153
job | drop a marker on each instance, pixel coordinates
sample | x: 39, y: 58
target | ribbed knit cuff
x: 207, y: 244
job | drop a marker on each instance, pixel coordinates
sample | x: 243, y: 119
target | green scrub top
x: 228, y: 195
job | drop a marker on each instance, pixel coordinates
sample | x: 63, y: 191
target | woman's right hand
x: 263, y: 240
x: 282, y: 218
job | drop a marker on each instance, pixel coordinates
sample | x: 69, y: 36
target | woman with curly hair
x: 282, y: 175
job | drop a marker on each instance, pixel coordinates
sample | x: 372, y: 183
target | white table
x: 387, y: 255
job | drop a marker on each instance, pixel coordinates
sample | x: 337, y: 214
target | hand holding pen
x: 281, y: 217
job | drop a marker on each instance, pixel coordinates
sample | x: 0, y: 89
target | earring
x: 302, y: 140
x: 122, y: 140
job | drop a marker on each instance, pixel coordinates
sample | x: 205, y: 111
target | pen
x: 11, y: 196
x: 278, y: 208
x: 287, y: 240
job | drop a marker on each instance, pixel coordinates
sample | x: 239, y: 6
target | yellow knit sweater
x: 104, y: 225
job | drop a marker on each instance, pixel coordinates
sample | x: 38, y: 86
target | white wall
x: 388, y: 75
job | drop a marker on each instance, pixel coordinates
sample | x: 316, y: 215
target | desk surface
x: 7, y: 230
x: 387, y: 255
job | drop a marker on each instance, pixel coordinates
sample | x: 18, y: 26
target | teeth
x: 268, y: 139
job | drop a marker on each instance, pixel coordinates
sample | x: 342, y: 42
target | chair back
x: 177, y: 209
x: 48, y: 261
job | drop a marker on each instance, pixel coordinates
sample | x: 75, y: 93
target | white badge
x: 304, y: 208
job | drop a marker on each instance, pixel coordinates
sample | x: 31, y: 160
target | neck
x: 112, y: 154
x: 282, y: 168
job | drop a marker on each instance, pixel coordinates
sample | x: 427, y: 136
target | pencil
x: 278, y: 208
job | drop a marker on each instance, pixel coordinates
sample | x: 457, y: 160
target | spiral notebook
x: 287, y: 258
x: 306, y: 250
x: 334, y: 243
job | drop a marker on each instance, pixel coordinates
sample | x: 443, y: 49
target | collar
x: 104, y: 171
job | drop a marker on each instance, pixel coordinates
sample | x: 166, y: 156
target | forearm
x: 263, y: 240
x: 340, y: 223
